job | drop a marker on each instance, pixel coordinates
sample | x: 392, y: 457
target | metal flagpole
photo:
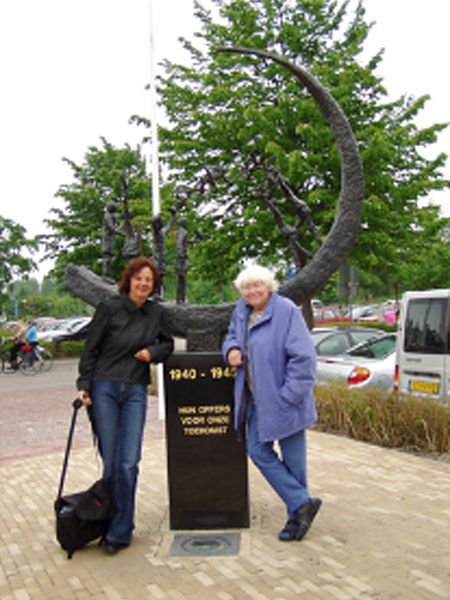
x: 156, y: 202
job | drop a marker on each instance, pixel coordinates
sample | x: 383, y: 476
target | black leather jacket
x: 118, y: 330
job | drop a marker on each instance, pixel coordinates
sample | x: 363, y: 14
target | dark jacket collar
x: 131, y: 307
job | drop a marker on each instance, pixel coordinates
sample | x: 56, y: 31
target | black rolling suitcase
x: 82, y: 517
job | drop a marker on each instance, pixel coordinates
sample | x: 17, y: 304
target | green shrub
x: 6, y: 335
x: 64, y: 349
x: 70, y: 349
x: 405, y: 422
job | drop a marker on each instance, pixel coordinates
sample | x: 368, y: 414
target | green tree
x: 23, y: 288
x: 65, y: 305
x: 13, y: 259
x: 251, y: 152
x: 425, y: 264
x: 49, y: 286
x: 107, y: 174
x: 36, y: 306
x: 49, y: 301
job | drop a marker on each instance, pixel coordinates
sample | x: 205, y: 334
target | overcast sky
x: 73, y: 71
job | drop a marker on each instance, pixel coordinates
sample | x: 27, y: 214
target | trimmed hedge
x: 405, y: 422
x: 64, y: 349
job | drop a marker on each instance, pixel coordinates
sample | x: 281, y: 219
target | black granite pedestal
x: 207, y: 463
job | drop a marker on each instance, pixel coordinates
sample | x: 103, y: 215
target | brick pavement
x: 35, y: 413
x: 383, y: 531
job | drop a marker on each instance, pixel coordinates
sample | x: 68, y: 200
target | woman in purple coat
x: 269, y: 343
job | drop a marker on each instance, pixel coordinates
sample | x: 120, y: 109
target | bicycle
x: 25, y: 362
x: 30, y: 360
x: 34, y: 359
x: 44, y: 357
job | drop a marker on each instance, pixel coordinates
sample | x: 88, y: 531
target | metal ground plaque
x: 205, y: 544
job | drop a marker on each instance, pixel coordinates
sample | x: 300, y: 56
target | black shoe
x: 305, y: 516
x: 111, y: 548
x: 287, y: 534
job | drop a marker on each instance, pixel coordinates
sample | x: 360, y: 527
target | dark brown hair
x: 134, y: 267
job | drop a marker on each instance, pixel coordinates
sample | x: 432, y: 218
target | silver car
x: 334, y: 341
x: 371, y: 363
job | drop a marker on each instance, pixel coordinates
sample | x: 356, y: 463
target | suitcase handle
x: 77, y: 404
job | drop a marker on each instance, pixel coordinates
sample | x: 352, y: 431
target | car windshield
x: 333, y: 345
x: 379, y: 348
x: 319, y: 334
x: 364, y: 336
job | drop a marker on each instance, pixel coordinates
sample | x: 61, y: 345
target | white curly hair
x: 255, y: 273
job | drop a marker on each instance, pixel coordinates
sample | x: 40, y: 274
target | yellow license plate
x: 427, y: 387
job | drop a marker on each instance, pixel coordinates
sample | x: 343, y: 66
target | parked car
x: 46, y: 332
x: 41, y: 323
x: 316, y: 303
x: 55, y: 332
x: 372, y: 314
x: 362, y: 312
x: 328, y: 315
x: 10, y: 326
x: 333, y: 341
x: 371, y: 363
x: 77, y: 332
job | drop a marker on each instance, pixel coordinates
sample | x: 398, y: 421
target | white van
x: 423, y: 344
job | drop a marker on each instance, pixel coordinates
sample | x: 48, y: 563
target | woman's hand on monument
x: 234, y: 357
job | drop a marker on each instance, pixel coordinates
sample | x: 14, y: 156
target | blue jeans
x: 286, y: 475
x: 119, y: 411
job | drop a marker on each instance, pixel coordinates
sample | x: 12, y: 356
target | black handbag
x: 84, y: 516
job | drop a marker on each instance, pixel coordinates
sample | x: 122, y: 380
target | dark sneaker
x: 112, y: 548
x: 305, y: 516
x: 287, y: 534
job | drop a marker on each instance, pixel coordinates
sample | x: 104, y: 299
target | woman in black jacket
x: 127, y: 333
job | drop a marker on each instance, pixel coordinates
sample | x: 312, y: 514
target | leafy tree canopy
x: 252, y: 164
x: 107, y: 174
x: 28, y: 300
x: 13, y: 259
x: 254, y: 157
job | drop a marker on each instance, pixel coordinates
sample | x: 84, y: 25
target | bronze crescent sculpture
x: 204, y: 326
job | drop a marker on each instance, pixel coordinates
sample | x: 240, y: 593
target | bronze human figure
x: 110, y: 230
